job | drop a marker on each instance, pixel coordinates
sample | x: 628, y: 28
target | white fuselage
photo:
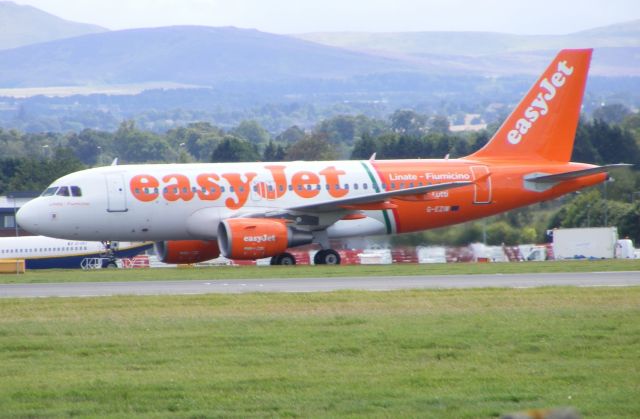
x: 188, y: 201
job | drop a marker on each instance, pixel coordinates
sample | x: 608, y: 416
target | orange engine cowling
x: 187, y: 251
x: 255, y: 238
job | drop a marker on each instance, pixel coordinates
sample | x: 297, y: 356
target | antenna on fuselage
x: 373, y: 157
x: 114, y: 162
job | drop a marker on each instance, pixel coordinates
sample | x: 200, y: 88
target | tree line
x: 31, y: 161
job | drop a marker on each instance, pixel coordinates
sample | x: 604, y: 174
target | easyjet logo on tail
x: 540, y: 104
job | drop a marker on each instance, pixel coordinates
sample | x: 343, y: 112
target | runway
x: 386, y: 283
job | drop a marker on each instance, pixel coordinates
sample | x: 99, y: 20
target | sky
x: 532, y: 17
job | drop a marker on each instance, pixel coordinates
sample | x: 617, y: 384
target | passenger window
x: 355, y: 186
x: 63, y: 191
x: 76, y: 191
x: 365, y: 186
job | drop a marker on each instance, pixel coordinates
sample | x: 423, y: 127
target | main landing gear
x: 327, y: 257
x: 322, y: 257
x: 283, y: 259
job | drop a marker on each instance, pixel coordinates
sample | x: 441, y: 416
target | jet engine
x: 186, y: 251
x: 255, y: 238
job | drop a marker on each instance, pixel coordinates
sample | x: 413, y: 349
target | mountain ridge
x: 24, y: 25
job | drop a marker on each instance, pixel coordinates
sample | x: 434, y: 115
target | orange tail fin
x: 543, y: 125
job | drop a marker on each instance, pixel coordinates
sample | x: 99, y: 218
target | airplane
x: 41, y: 252
x: 196, y: 211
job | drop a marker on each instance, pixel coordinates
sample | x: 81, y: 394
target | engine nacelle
x: 255, y: 238
x: 187, y: 251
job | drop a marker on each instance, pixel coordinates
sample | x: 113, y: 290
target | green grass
x: 448, y: 353
x: 259, y: 272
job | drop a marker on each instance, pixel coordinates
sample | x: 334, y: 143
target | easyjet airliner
x: 194, y: 212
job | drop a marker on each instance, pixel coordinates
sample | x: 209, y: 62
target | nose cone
x: 30, y: 218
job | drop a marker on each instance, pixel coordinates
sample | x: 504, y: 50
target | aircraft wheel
x: 327, y: 257
x: 284, y: 259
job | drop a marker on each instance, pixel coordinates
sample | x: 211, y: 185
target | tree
x: 312, y: 147
x: 88, y: 145
x: 233, y: 149
x: 439, y: 124
x: 273, y: 152
x: 134, y: 146
x: 364, y: 147
x: 405, y: 121
x: 251, y: 131
x: 291, y: 135
x: 611, y: 114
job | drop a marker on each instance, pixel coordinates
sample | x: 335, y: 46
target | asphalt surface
x: 236, y: 286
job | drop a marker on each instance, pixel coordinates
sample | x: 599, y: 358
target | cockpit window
x: 50, y: 191
x: 76, y: 191
x: 63, y: 191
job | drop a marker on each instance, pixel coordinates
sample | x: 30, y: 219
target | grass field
x: 464, y: 353
x: 258, y: 272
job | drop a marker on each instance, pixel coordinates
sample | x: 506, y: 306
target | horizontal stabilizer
x: 559, y: 177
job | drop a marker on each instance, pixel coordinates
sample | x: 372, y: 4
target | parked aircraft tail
x: 543, y: 125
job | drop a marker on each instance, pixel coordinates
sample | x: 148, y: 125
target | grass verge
x: 306, y: 271
x: 448, y: 353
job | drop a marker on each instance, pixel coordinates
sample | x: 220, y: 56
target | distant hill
x: 182, y: 54
x: 476, y: 44
x: 24, y: 25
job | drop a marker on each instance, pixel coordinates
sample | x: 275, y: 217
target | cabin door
x: 116, y: 196
x: 481, y: 189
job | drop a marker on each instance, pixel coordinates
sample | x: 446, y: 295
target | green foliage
x: 132, y: 145
x: 313, y: 147
x: 601, y: 143
x: 34, y: 174
x: 611, y: 114
x: 233, y: 149
x: 273, y: 152
x: 409, y: 122
x: 251, y: 131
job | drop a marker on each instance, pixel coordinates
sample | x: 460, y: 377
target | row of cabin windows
x: 270, y: 188
x: 44, y: 249
x: 62, y: 191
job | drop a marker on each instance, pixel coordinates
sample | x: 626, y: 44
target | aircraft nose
x: 28, y: 217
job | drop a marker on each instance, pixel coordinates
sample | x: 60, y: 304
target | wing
x: 371, y: 201
x: 377, y: 200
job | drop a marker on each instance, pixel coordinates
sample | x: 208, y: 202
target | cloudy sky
x: 296, y: 16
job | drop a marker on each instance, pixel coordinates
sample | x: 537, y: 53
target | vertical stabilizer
x: 543, y: 125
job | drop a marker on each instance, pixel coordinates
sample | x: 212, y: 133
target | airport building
x: 9, y: 205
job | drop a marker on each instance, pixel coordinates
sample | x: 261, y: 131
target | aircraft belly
x: 360, y: 227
